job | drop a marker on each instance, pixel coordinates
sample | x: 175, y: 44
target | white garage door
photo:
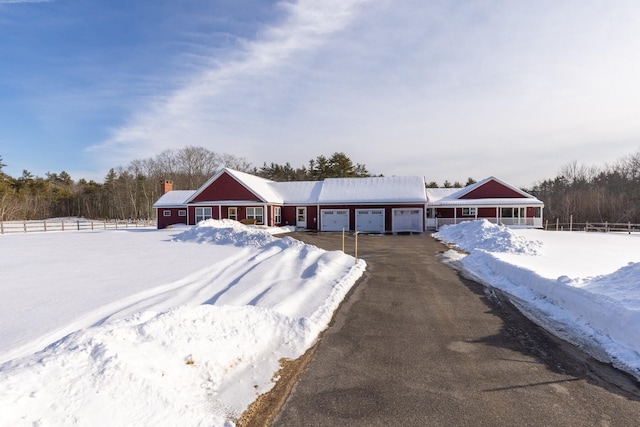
x: 334, y: 220
x: 407, y: 220
x: 371, y: 220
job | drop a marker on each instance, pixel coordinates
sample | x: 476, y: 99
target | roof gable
x: 492, y: 188
x: 231, y: 185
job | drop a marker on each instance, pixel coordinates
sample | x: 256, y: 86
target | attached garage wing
x: 334, y: 219
x: 370, y: 220
x: 407, y: 220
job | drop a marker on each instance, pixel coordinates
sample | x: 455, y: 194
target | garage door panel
x: 407, y: 220
x: 370, y: 220
x: 334, y: 219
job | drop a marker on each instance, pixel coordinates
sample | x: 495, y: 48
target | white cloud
x: 446, y: 89
x: 193, y: 112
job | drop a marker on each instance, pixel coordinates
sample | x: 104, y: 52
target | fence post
x: 546, y: 225
x: 63, y: 225
x: 606, y: 226
x: 24, y: 225
x: 629, y: 227
x: 570, y: 222
x: 91, y: 225
x: 356, y: 251
x: 44, y: 221
x: 78, y: 224
x: 1, y: 227
x: 557, y: 224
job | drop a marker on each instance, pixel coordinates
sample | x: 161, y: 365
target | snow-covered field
x: 584, y: 287
x: 156, y: 327
x: 187, y: 326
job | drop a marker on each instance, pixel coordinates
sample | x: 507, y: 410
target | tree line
x: 581, y: 193
x: 130, y: 192
x: 609, y: 193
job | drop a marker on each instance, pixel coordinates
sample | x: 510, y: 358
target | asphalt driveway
x: 415, y: 344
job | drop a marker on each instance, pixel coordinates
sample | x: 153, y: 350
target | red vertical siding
x: 225, y: 187
x: 486, y: 212
x: 493, y: 189
x: 174, y: 218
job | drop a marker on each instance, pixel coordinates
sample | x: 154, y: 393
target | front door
x: 232, y: 213
x: 301, y: 217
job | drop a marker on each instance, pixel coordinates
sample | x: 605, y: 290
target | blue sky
x: 445, y: 89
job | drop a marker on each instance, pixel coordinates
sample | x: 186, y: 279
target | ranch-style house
x: 376, y: 204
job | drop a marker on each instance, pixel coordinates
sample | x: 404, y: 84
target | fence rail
x: 7, y: 227
x: 605, y: 227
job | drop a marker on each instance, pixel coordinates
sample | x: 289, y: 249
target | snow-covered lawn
x: 187, y: 326
x: 156, y: 327
x: 584, y: 287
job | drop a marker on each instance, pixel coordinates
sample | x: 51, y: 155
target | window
x: 537, y: 212
x: 277, y: 214
x: 202, y: 214
x: 469, y: 211
x: 182, y: 212
x: 166, y: 213
x: 232, y: 213
x: 255, y: 213
x: 509, y: 212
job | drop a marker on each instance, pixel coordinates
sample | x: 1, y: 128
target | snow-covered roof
x: 298, y: 192
x: 402, y: 189
x: 452, y: 196
x: 436, y: 194
x: 486, y: 202
x: 393, y: 189
x: 175, y: 198
x: 261, y: 187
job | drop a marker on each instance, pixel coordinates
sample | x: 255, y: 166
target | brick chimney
x: 166, y: 186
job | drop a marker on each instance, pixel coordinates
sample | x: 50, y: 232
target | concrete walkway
x: 416, y: 345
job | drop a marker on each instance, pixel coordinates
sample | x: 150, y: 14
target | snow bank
x: 599, y: 313
x: 482, y: 234
x: 195, y: 351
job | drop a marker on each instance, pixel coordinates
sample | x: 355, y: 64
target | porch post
x: 497, y: 215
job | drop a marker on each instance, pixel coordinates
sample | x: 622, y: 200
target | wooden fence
x: 70, y: 224
x: 620, y: 227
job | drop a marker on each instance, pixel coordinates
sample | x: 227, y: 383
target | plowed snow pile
x: 195, y: 350
x: 584, y: 287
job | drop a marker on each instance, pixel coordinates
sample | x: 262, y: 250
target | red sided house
x: 375, y: 204
x: 489, y: 199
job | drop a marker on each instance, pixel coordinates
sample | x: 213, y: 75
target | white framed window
x: 232, y: 213
x: 166, y: 213
x: 182, y: 212
x: 255, y: 213
x: 277, y: 214
x: 469, y: 211
x: 202, y: 214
